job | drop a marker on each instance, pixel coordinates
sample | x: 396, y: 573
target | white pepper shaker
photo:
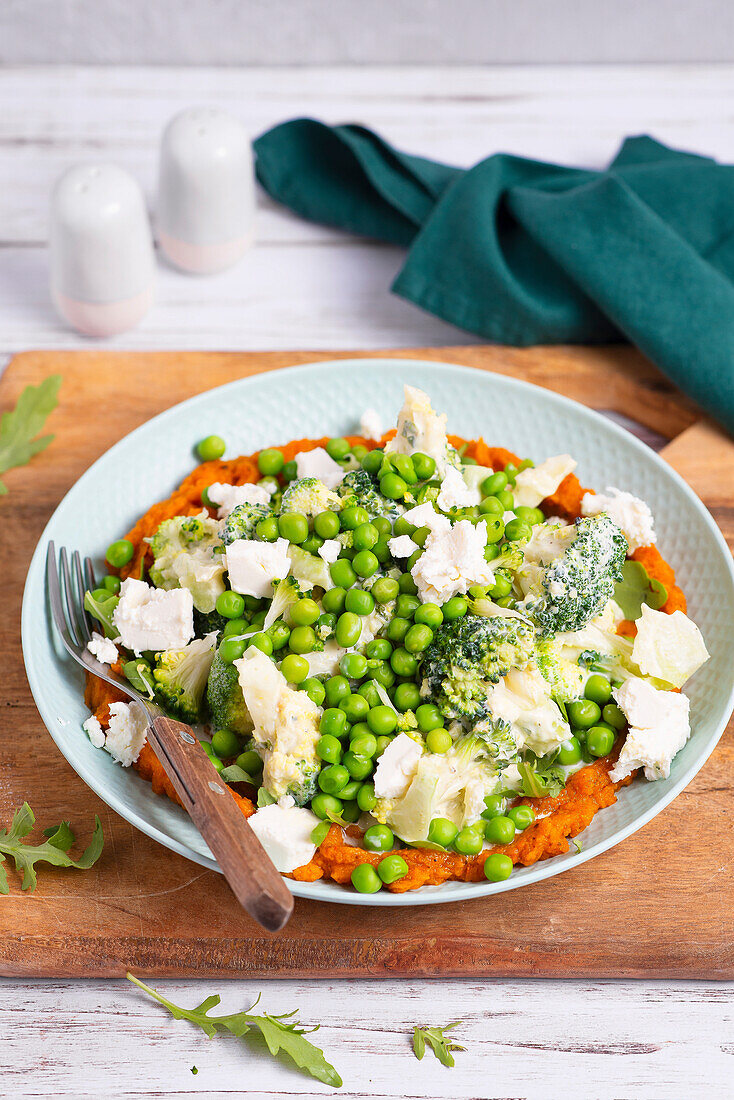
x: 101, y: 250
x: 206, y: 193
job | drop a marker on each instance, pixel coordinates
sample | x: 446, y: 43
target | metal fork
x: 244, y: 862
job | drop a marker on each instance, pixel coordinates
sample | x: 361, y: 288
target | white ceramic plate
x: 327, y: 399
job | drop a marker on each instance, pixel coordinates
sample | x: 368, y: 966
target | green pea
x: 469, y: 842
x: 353, y: 666
x: 407, y: 605
x: 379, y: 648
x: 382, y: 720
x: 305, y: 612
x: 506, y: 500
x: 369, y: 692
x: 353, y: 517
x: 333, y: 600
x: 289, y: 471
x: 337, y: 448
x: 403, y: 663
x: 326, y: 525
x: 406, y: 697
x: 230, y: 605
x: 438, y: 740
x: 314, y: 689
x: 497, y: 867
x: 355, y: 707
x: 250, y: 762
x: 614, y: 716
x: 442, y: 831
x: 382, y: 743
x: 302, y: 640
x: 502, y: 587
x: 359, y: 729
x: 366, y: 797
x: 531, y: 516
x: 454, y: 608
x: 429, y: 717
x: 396, y: 629
x: 232, y: 649
x: 500, y: 830
x: 381, y: 550
x: 333, y: 723
x: 494, y: 483
x: 216, y: 763
x: 342, y: 574
x: 599, y: 741
x: 267, y: 529
x: 570, y: 752
x: 495, y: 528
x: 365, y: 536
x: 383, y: 674
x: 279, y: 633
x: 364, y: 746
x: 405, y: 467
x: 407, y: 585
x: 294, y: 668
x: 293, y: 527
x: 257, y: 619
x: 211, y: 448
x: 312, y: 544
x: 583, y: 713
x: 393, y: 487
x: 326, y: 625
x: 270, y: 461
x: 359, y: 451
x: 225, y: 743
x: 365, y: 564
x: 430, y: 614
x: 365, y: 879
x: 517, y: 529
x: 333, y: 778
x: 337, y: 688
x: 252, y: 603
x: 420, y: 536
x: 378, y: 838
x: 392, y: 868
x: 598, y: 689
x: 348, y: 629
x: 262, y: 642
x: 521, y: 816
x: 372, y: 461
x: 424, y: 466
x: 507, y: 601
x: 326, y: 805
x: 237, y: 626
x: 349, y: 794
x: 111, y: 584
x: 418, y: 638
x: 495, y: 806
x: 490, y: 506
x: 359, y: 767
x: 120, y: 553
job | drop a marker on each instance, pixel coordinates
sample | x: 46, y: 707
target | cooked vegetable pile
x: 405, y: 644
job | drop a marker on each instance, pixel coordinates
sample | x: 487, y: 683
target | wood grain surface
x: 658, y: 905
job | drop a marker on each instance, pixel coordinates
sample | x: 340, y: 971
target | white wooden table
x: 305, y: 286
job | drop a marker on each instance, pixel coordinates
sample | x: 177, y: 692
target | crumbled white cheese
x: 523, y: 699
x: 318, y: 463
x: 370, y: 424
x: 286, y: 802
x: 102, y: 648
x: 668, y: 647
x: 253, y: 566
x: 229, y: 497
x: 402, y: 546
x: 152, y: 618
x: 476, y: 790
x: 452, y: 561
x: 397, y: 766
x: 420, y: 429
x: 425, y: 515
x: 631, y: 515
x: 330, y: 550
x: 658, y: 729
x: 94, y: 731
x: 126, y: 733
x: 455, y: 493
x: 285, y: 834
x: 538, y: 482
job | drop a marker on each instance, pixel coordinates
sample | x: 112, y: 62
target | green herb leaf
x: 235, y: 774
x: 439, y: 1042
x: 541, y: 776
x: 264, y: 798
x: 102, y: 611
x: 20, y: 426
x: 53, y: 850
x: 577, y: 844
x: 278, y: 1035
x: 319, y: 832
x: 637, y: 588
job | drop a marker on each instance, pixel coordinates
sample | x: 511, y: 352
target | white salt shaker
x: 206, y: 193
x: 101, y: 250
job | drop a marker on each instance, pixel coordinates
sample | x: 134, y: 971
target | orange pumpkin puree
x: 588, y: 790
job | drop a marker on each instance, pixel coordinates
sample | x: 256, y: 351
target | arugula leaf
x: 264, y: 798
x: 440, y: 1044
x: 102, y: 611
x: 541, y: 777
x: 636, y: 588
x: 235, y: 774
x: 577, y: 844
x: 53, y: 850
x: 278, y: 1034
x: 19, y: 426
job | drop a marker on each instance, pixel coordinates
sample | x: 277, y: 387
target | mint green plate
x: 328, y: 399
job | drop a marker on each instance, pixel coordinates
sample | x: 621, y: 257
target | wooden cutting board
x: 658, y: 905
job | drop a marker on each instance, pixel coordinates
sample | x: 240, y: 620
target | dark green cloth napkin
x: 522, y: 252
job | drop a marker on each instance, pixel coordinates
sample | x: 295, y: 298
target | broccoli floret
x: 242, y: 521
x: 225, y: 699
x: 188, y: 554
x: 181, y: 677
x: 358, y: 488
x: 285, y: 594
x: 208, y: 623
x: 497, y: 735
x: 468, y: 655
x: 309, y: 496
x: 574, y: 574
x: 565, y: 677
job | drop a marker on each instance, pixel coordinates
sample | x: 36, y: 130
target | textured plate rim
x: 432, y: 895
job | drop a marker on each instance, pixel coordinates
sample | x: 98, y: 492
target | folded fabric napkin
x: 522, y: 252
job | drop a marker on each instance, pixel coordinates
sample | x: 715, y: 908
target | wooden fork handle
x: 248, y: 869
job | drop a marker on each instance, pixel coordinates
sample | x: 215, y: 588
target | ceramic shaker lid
x: 206, y: 194
x: 101, y: 249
